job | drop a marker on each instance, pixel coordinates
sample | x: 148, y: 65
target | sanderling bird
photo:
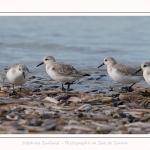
x: 61, y: 72
x: 17, y: 74
x: 145, y: 66
x: 121, y: 73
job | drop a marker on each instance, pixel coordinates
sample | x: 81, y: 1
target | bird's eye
x: 46, y: 59
x: 144, y: 66
x: 106, y: 60
x: 20, y: 69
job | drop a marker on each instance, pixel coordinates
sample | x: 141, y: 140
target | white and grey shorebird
x: 121, y: 73
x: 145, y: 66
x: 61, y: 72
x: 17, y: 74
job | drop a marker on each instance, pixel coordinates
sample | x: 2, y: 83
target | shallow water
x: 80, y: 41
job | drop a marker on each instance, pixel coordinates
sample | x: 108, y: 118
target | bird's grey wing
x: 66, y: 69
x: 127, y: 70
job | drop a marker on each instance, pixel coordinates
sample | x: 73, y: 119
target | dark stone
x: 19, y: 109
x: 50, y: 127
x: 121, y: 103
x: 115, y: 96
x: 33, y: 77
x: 102, y: 75
x: 55, y: 116
x: 63, y: 97
x: 19, y: 128
x: 131, y: 118
x: 51, y: 95
x: 54, y: 87
x: 122, y: 115
x: 80, y: 114
x: 41, y: 105
x: 36, y: 90
x: 90, y: 78
x: 70, y: 90
x: 98, y: 78
x: 34, y: 123
x: 115, y: 104
x: 45, y: 116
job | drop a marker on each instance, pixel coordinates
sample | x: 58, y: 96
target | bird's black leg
x: 68, y: 86
x: 131, y: 85
x: 63, y: 89
x: 130, y: 88
x: 14, y: 92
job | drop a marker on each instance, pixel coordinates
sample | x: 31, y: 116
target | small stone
x: 121, y: 103
x: 50, y: 127
x: 54, y: 87
x: 80, y: 115
x: 75, y: 99
x: 36, y: 90
x: 41, y: 105
x: 122, y: 106
x: 45, y: 116
x: 85, y: 107
x: 50, y: 99
x: 115, y: 104
x: 12, y: 116
x: 122, y: 115
x: 132, y: 119
x: 34, y: 123
x: 62, y: 97
x: 97, y: 78
x: 55, y: 116
x: 73, y: 122
x: 33, y: 77
x: 103, y: 75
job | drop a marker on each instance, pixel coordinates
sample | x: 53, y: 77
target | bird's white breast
x: 146, y: 75
x: 16, y: 78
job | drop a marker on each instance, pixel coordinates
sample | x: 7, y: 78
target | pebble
x: 132, y: 119
x: 28, y: 111
x: 73, y: 122
x: 34, y: 122
x: 50, y: 99
x: 121, y: 103
x: 80, y: 114
x: 36, y: 90
x: 50, y: 127
x: 55, y: 116
x: 85, y: 107
x: 122, y: 115
x: 45, y: 116
x: 54, y: 87
x: 115, y: 104
x: 12, y: 116
x: 94, y: 90
x: 97, y: 78
x: 75, y: 99
x: 63, y: 97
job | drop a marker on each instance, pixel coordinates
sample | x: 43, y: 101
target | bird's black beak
x: 23, y: 75
x: 137, y: 71
x: 101, y: 65
x: 40, y: 64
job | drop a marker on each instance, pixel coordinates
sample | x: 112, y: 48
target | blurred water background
x: 82, y: 41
